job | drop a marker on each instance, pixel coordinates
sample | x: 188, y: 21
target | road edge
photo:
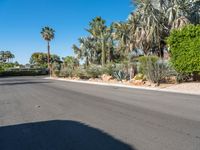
x: 124, y: 86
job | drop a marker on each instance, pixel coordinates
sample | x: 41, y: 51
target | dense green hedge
x: 23, y: 72
x: 185, y: 49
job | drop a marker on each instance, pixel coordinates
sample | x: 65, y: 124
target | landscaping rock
x: 106, y: 78
x: 137, y: 82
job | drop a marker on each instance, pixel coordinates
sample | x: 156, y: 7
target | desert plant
x: 93, y: 71
x: 155, y: 70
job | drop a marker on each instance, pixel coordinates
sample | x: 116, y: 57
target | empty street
x: 39, y: 114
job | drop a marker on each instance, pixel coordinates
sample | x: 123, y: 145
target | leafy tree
x: 185, y: 49
x: 40, y: 59
x: 70, y: 61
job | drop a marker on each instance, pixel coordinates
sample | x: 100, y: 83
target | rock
x: 113, y: 81
x: 147, y: 83
x: 106, y: 78
x: 137, y: 82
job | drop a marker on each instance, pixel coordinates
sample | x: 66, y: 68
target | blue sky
x: 21, y: 22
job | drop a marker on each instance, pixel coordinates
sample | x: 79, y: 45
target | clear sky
x: 21, y: 22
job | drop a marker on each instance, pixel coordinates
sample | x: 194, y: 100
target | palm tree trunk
x: 48, y: 57
x: 103, y: 57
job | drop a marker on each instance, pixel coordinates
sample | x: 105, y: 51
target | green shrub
x: 139, y: 77
x: 94, y: 71
x: 81, y: 73
x: 23, y: 72
x: 120, y: 72
x: 185, y: 49
x: 66, y: 72
x: 155, y: 70
x: 56, y: 67
x: 120, y: 75
x: 143, y: 62
x: 108, y: 69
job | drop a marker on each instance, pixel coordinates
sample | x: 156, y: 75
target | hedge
x: 23, y: 72
x: 185, y: 49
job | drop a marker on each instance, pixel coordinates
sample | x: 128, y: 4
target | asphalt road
x: 38, y: 114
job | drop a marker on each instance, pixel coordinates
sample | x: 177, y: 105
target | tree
x: 86, y: 51
x: 121, y: 34
x: 185, y: 49
x: 5, y: 56
x: 48, y: 34
x: 99, y: 30
x: 40, y: 59
x: 71, y: 62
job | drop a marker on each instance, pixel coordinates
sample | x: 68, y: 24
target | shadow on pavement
x: 57, y: 135
x: 23, y: 82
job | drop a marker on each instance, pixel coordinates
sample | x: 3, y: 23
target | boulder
x: 106, y: 77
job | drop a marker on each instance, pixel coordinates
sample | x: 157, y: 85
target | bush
x: 120, y: 72
x: 185, y: 49
x: 4, y: 66
x: 94, y: 71
x: 56, y: 67
x: 66, y: 72
x: 108, y: 69
x: 155, y: 70
x: 23, y: 72
x: 139, y: 77
x: 144, y: 62
x: 81, y: 73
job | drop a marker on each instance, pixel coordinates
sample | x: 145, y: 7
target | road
x: 39, y: 114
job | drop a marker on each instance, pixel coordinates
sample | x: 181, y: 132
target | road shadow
x: 23, y: 83
x: 57, y: 135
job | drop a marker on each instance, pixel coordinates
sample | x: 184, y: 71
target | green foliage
x: 120, y: 72
x: 155, y: 70
x: 81, y: 73
x: 23, y: 72
x: 108, y: 69
x: 5, y: 56
x: 70, y: 61
x: 48, y: 33
x: 40, y: 59
x: 56, y: 69
x: 144, y: 60
x: 5, y: 66
x: 66, y: 72
x: 120, y: 75
x: 139, y: 77
x: 185, y: 49
x: 93, y: 71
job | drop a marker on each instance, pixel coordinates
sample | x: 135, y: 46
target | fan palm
x: 48, y: 35
x: 99, y: 30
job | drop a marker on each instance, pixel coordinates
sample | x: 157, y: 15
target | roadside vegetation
x: 158, y: 39
x: 158, y: 43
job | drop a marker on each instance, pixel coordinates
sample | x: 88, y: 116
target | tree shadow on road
x: 58, y: 135
x: 23, y: 83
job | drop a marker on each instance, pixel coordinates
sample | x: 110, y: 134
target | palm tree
x: 178, y: 13
x: 48, y: 35
x: 87, y: 50
x: 122, y: 34
x: 99, y: 30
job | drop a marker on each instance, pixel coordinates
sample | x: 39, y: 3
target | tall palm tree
x: 99, y: 30
x: 48, y: 35
x: 178, y: 13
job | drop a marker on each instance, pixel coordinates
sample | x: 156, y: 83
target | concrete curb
x: 124, y: 86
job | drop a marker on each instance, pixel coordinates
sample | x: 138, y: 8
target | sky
x: 21, y: 22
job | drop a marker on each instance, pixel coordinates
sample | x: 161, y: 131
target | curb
x: 124, y: 86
